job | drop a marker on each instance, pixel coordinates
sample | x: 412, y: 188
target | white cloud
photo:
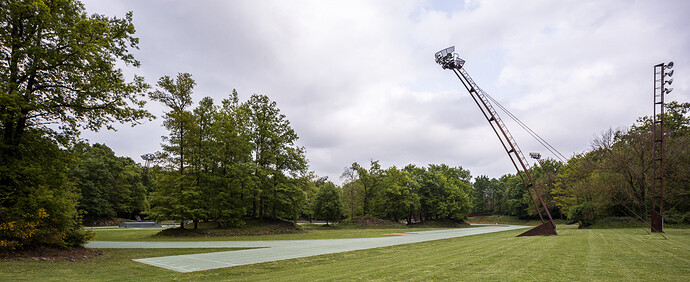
x: 358, y: 82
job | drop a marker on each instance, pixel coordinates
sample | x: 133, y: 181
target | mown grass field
x: 505, y: 219
x: 149, y: 234
x: 576, y: 254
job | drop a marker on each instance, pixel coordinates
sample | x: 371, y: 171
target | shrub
x: 583, y: 213
x: 37, y: 229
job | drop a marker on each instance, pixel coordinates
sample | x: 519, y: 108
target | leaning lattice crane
x: 448, y: 59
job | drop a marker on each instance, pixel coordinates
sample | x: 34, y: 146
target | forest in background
x: 59, y: 74
x: 612, y: 179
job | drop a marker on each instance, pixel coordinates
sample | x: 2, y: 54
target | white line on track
x: 282, y: 249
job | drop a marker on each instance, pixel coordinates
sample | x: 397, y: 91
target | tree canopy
x: 439, y: 192
x: 58, y: 65
x: 225, y: 162
x: 327, y: 204
x: 58, y: 74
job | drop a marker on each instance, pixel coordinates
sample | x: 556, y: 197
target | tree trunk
x: 261, y: 208
x: 409, y: 215
x: 255, y: 205
x: 352, y: 200
x: 365, y: 200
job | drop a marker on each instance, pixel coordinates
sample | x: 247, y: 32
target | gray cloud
x: 358, y: 82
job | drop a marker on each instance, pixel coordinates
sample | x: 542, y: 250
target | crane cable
x: 531, y: 132
x: 560, y: 156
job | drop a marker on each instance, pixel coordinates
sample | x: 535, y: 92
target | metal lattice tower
x: 450, y: 60
x: 149, y: 159
x: 660, y: 74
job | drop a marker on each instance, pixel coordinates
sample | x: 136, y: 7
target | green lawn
x: 576, y: 254
x: 148, y: 235
x: 506, y: 219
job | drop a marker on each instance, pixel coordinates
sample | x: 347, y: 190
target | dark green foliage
x: 327, y: 205
x: 352, y: 191
x: 481, y: 194
x: 310, y: 184
x: 372, y: 184
x: 615, y: 178
x: 178, y: 195
x: 544, y: 174
x: 227, y: 160
x: 37, y: 199
x: 583, y: 213
x: 445, y: 193
x: 413, y: 193
x: 110, y: 186
x: 224, y: 163
x: 351, y: 195
x: 278, y: 162
x: 397, y: 198
x: 57, y: 66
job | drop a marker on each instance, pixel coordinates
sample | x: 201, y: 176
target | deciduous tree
x: 327, y: 205
x: 177, y: 195
x: 278, y: 161
x: 58, y: 66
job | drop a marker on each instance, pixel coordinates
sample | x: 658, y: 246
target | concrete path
x: 282, y: 249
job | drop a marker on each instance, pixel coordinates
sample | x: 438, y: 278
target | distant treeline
x: 60, y: 74
x: 224, y: 183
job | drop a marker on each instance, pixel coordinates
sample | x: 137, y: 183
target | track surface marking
x: 281, y: 249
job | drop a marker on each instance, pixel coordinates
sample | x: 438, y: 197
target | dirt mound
x: 71, y: 254
x: 441, y: 224
x: 103, y: 222
x: 374, y: 222
x: 252, y: 227
x: 177, y: 232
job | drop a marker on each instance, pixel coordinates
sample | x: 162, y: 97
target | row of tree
x: 225, y: 162
x: 413, y: 193
x: 507, y: 195
x: 612, y: 179
x: 59, y: 74
x: 109, y: 186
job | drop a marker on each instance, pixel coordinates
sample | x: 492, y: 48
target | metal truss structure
x: 448, y: 59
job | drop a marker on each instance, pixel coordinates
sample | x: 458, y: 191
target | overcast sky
x: 357, y: 79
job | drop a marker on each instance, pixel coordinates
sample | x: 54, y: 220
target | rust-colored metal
x: 657, y: 220
x: 544, y: 229
x: 450, y: 60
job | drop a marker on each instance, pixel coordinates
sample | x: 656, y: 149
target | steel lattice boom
x: 661, y: 72
x: 450, y: 60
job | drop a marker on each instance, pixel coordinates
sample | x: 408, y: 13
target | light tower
x: 148, y: 158
x: 536, y: 156
x: 661, y: 71
x: 450, y: 60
